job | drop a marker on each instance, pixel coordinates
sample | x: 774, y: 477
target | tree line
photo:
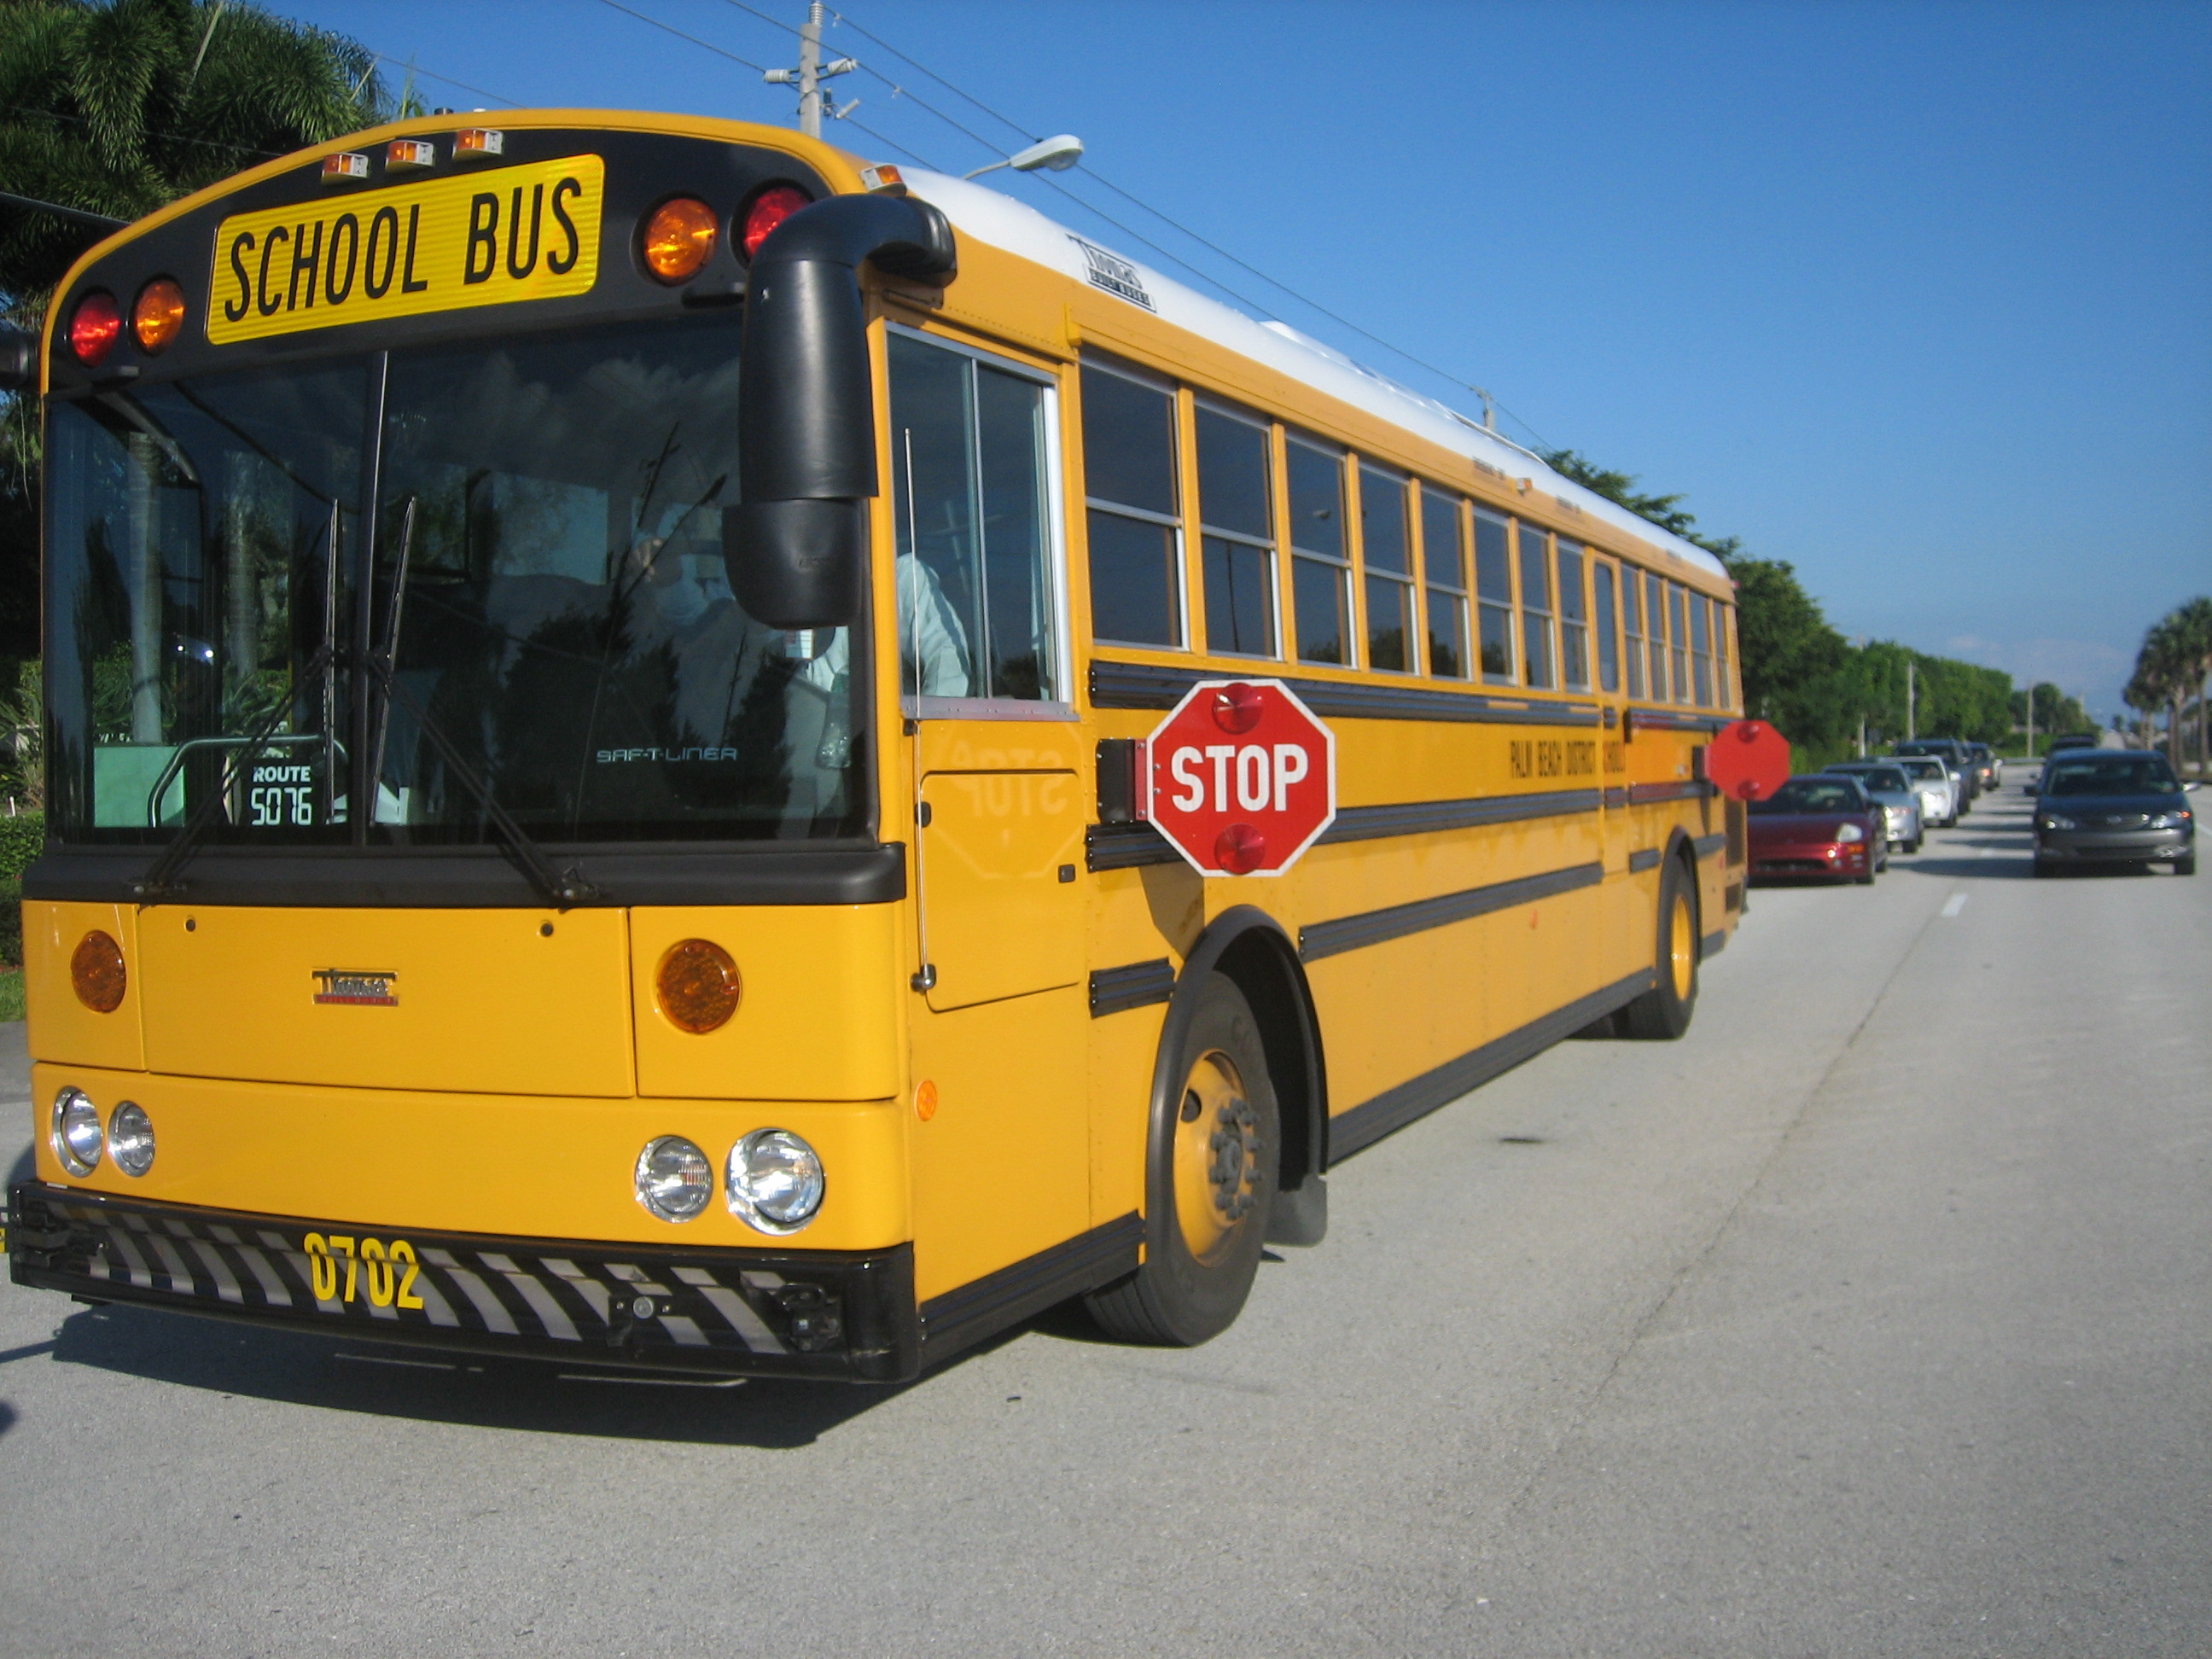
x: 2172, y: 666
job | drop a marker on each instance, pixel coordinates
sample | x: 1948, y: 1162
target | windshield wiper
x: 559, y: 888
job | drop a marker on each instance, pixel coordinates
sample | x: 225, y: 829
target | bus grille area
x: 819, y: 1313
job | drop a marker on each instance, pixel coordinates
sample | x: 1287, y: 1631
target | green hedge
x: 22, y: 838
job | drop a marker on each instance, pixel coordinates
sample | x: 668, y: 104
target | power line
x: 681, y: 35
x: 413, y: 67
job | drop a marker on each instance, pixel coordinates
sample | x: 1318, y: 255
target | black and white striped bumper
x: 755, y: 1313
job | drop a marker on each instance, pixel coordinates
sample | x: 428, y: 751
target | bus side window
x: 1723, y: 618
x: 1678, y: 636
x: 1320, y: 567
x: 1631, y: 616
x: 1135, y: 529
x: 1493, y: 588
x: 1237, y: 534
x: 976, y: 604
x: 1574, y: 619
x: 1655, y: 616
x: 1701, y: 648
x: 1609, y: 642
x: 1386, y: 558
x: 1535, y: 603
x: 1443, y: 568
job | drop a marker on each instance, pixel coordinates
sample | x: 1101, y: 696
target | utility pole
x: 1911, y: 730
x: 812, y: 73
x: 2031, y: 717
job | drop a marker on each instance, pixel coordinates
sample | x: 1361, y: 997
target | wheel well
x: 1261, y: 963
x: 1679, y: 849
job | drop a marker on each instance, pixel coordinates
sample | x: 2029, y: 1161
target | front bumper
x: 1834, y: 860
x: 2114, y: 847
x: 828, y: 1313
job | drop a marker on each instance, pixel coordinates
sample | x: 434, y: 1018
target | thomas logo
x: 364, y: 987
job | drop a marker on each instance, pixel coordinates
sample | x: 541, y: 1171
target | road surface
x: 1873, y: 1317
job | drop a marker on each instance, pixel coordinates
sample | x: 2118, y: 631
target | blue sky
x: 1918, y: 297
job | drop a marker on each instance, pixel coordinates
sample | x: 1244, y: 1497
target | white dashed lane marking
x: 1953, y: 904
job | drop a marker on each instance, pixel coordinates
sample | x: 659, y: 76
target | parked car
x: 2114, y: 806
x: 1953, y: 753
x: 1893, y: 792
x: 1819, y: 825
x: 1933, y: 782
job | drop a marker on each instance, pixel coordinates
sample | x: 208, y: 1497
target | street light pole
x: 812, y: 73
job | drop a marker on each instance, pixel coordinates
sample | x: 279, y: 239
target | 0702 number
x: 385, y: 1271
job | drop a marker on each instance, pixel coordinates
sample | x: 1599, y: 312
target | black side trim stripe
x: 1032, y: 1285
x: 1144, y: 685
x: 1708, y: 845
x: 1115, y: 990
x: 1712, y: 945
x: 1668, y: 721
x: 1646, y: 859
x: 1330, y: 939
x: 1124, y: 846
x: 1394, y: 1108
x: 1420, y: 817
x: 1640, y: 794
x: 1616, y: 798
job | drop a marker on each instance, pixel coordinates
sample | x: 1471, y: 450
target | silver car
x: 1933, y: 782
x: 1895, y: 793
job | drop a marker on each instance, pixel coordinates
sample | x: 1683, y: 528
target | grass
x: 11, y: 993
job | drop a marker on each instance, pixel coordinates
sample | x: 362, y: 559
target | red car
x: 1819, y: 826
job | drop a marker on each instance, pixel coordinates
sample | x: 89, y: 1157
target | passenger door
x: 1001, y: 1147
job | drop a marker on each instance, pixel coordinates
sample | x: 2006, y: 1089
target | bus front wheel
x: 1662, y: 1013
x: 1210, y: 1176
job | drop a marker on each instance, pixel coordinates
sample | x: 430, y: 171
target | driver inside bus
x: 932, y: 645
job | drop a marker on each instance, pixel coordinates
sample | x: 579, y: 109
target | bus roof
x: 1000, y: 220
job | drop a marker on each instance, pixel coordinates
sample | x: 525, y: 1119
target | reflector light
x: 1239, y: 848
x: 94, y: 327
x: 159, y: 315
x: 884, y: 178
x: 770, y: 206
x: 410, y: 155
x: 698, y: 986
x: 679, y: 239
x: 345, y: 168
x: 97, y: 974
x: 473, y: 143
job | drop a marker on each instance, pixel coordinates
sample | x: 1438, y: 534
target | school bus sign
x: 1243, y: 777
x: 487, y: 239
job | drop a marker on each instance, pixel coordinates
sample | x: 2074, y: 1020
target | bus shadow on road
x: 307, y: 1368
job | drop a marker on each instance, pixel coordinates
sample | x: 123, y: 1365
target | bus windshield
x: 547, y: 591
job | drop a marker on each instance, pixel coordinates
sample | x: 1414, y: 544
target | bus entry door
x: 1001, y: 910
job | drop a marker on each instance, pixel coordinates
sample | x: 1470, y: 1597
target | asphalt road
x: 1871, y: 1318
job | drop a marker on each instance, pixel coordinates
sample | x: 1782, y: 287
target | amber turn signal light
x: 96, y: 972
x: 679, y: 239
x: 698, y: 986
x: 159, y: 316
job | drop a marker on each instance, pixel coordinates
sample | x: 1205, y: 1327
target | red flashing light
x: 96, y: 327
x: 768, y: 209
x: 1239, y: 848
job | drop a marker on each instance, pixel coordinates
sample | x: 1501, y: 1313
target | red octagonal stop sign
x: 1243, y: 777
x: 1747, y: 760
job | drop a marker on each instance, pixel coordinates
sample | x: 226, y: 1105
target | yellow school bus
x: 597, y: 675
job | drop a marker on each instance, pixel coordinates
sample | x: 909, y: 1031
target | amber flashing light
x: 410, y: 155
x: 97, y: 974
x: 679, y: 239
x: 476, y: 143
x: 348, y: 167
x: 698, y: 986
x: 158, y: 316
x: 94, y: 327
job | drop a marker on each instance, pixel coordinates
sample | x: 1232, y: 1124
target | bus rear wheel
x: 1212, y: 1169
x: 1663, y: 1013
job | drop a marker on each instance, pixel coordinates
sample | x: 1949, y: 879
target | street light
x: 1055, y: 154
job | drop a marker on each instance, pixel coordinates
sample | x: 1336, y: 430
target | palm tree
x: 115, y: 108
x: 2192, y: 624
x: 2163, y: 673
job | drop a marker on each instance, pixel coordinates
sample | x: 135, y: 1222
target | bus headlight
x: 130, y: 1138
x: 674, y: 1180
x: 77, y: 1136
x: 774, y: 1182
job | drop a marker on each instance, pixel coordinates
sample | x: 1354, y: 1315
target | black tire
x: 1664, y: 1012
x: 1222, y: 1142
x: 1913, y: 846
x: 2043, y: 867
x: 2185, y: 865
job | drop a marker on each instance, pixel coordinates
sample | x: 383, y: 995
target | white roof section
x: 1000, y: 220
